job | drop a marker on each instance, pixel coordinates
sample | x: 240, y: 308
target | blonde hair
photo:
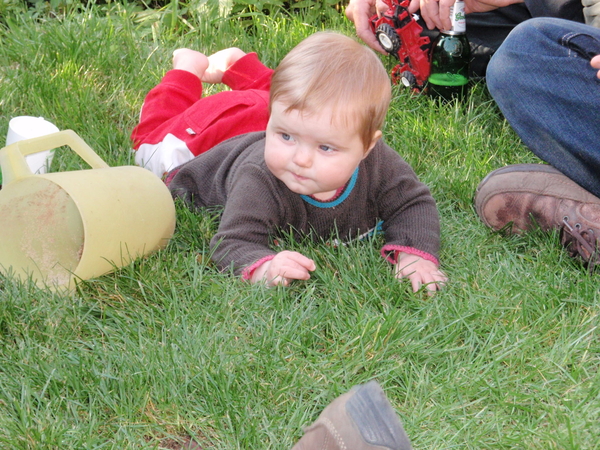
x: 330, y: 69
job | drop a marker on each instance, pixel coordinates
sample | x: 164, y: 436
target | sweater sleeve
x: 252, y: 214
x: 408, y: 210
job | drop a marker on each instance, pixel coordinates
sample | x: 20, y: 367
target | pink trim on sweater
x: 386, y: 249
x: 170, y: 175
x: 248, y: 271
x: 339, y: 192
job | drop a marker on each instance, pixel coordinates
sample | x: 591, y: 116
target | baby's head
x: 333, y: 71
x: 329, y: 97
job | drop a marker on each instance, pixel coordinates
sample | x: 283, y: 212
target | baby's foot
x: 219, y: 62
x: 190, y: 61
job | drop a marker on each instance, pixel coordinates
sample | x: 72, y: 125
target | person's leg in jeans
x: 542, y: 80
x: 486, y: 31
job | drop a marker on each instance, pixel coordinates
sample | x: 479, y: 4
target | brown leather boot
x: 523, y: 196
x: 361, y: 419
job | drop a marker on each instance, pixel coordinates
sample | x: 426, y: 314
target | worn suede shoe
x: 361, y: 419
x: 523, y: 196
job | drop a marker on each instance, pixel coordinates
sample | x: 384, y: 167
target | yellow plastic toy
x: 59, y: 228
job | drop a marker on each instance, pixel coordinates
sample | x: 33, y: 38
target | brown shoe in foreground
x: 524, y: 196
x: 361, y: 419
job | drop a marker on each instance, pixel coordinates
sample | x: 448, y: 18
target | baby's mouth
x: 299, y: 177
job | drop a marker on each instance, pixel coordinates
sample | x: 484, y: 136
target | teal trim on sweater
x: 337, y: 201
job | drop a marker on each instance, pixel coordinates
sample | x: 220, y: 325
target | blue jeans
x: 542, y: 81
x: 486, y: 31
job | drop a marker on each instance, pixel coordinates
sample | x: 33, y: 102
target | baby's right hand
x: 219, y: 62
x: 283, y: 268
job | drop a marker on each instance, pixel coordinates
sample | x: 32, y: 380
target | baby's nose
x: 303, y: 157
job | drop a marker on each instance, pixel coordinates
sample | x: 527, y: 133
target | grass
x: 505, y: 357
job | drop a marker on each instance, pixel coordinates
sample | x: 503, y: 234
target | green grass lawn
x: 506, y: 356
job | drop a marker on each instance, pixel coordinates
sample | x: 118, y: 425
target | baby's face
x: 311, y: 154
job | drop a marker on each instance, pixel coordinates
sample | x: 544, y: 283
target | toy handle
x: 12, y: 157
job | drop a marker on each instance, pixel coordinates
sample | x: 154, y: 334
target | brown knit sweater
x: 258, y: 206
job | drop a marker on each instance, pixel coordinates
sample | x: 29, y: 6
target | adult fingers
x: 595, y: 62
x: 430, y: 12
x: 444, y: 14
x: 360, y: 13
x: 414, y: 6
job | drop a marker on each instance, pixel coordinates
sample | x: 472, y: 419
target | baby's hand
x: 219, y: 62
x: 420, y: 272
x: 284, y: 267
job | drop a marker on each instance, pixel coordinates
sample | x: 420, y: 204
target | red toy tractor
x: 400, y: 35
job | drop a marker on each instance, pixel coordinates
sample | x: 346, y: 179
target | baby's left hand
x: 420, y: 272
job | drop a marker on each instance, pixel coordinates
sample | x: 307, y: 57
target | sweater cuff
x: 185, y: 79
x: 390, y: 253
x: 248, y: 271
x: 248, y: 73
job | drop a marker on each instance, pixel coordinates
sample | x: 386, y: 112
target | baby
x: 319, y: 169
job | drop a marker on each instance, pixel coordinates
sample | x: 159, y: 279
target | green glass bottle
x: 450, y: 57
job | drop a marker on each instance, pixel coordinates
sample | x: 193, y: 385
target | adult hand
x: 360, y: 12
x: 436, y: 13
x: 283, y: 268
x: 595, y: 63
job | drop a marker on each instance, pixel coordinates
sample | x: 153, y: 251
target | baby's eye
x: 286, y: 137
x: 326, y: 148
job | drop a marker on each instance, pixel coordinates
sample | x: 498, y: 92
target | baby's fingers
x: 435, y: 281
x: 288, y: 274
x: 293, y: 273
x: 288, y: 266
x: 300, y: 260
x: 432, y: 281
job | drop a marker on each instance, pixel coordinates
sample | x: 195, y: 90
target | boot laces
x: 582, y: 243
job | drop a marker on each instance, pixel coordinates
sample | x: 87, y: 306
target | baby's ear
x: 376, y: 136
